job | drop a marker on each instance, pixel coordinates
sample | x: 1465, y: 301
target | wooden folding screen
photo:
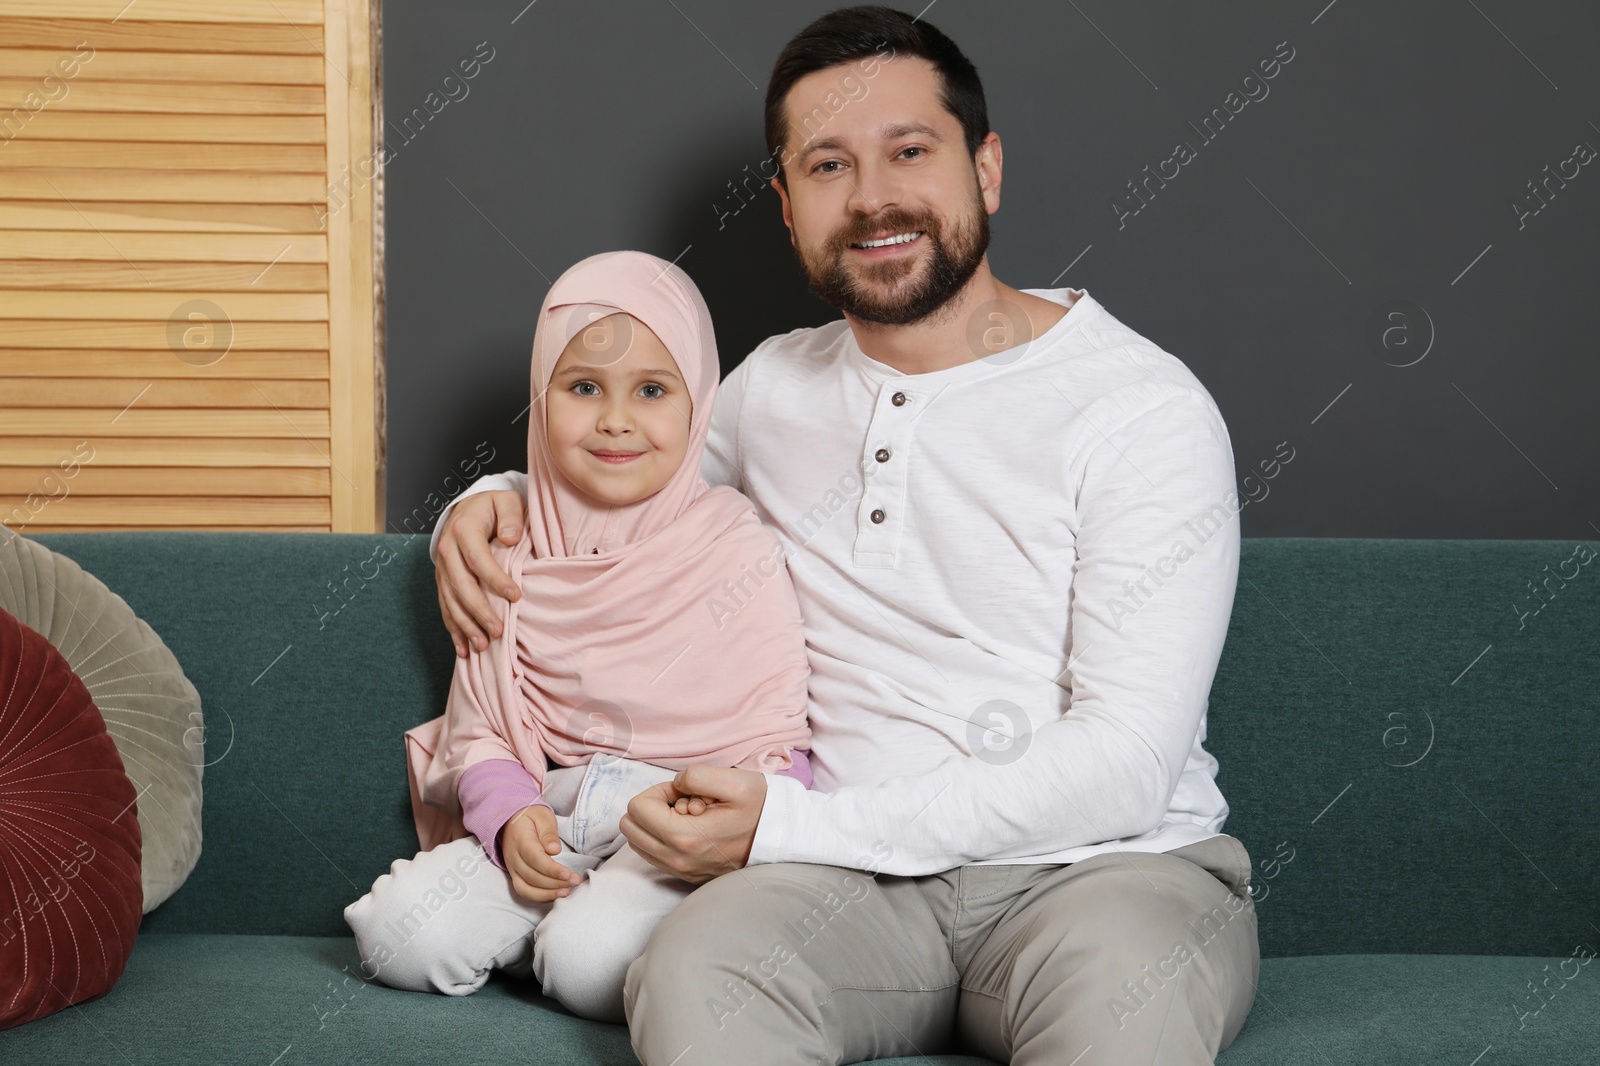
x: 190, y: 281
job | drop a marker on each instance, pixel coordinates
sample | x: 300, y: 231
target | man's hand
x: 527, y: 843
x: 464, y: 563
x: 697, y: 847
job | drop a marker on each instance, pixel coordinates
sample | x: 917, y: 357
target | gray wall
x: 1378, y: 173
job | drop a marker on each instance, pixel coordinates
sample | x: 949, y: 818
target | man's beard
x: 952, y: 257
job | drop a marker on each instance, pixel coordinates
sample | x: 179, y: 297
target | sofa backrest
x: 1406, y: 736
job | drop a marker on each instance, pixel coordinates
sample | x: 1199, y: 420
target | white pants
x: 442, y: 921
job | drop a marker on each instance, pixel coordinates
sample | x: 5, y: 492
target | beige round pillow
x: 151, y: 710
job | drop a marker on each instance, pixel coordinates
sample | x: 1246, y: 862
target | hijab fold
x: 665, y: 630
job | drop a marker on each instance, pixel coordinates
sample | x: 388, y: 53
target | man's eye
x: 826, y: 163
x: 914, y: 149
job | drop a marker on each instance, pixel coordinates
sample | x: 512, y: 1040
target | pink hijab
x: 665, y: 630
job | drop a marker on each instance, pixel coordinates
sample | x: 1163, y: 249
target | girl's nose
x: 614, y: 417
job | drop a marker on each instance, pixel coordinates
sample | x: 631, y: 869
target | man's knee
x: 1155, y: 927
x: 722, y: 946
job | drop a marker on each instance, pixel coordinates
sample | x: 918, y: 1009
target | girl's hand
x: 689, y: 805
x: 527, y: 843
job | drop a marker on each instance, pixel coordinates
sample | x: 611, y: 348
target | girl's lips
x: 616, y: 457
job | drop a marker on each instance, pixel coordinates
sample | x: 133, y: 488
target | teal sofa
x: 1409, y: 752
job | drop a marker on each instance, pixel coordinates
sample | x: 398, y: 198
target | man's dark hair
x: 853, y: 33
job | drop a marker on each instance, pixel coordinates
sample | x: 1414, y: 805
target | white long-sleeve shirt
x: 1016, y: 576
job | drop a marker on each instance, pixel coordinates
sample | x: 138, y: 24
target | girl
x: 637, y: 648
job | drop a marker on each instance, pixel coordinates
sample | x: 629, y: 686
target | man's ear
x: 788, y: 214
x: 987, y: 161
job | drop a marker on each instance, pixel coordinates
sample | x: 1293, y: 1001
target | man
x: 1012, y: 526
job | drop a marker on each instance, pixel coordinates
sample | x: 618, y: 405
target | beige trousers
x: 1124, y: 958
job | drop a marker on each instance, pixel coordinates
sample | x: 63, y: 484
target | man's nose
x: 877, y: 188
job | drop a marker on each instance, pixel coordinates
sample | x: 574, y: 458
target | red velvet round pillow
x: 70, y: 894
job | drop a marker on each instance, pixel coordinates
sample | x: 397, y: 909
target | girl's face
x: 617, y: 411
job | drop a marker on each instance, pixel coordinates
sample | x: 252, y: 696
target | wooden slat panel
x: 121, y: 304
x: 190, y: 162
x: 219, y: 98
x: 167, y: 155
x: 94, y: 480
x: 123, y: 274
x: 161, y: 510
x: 211, y: 248
x: 252, y: 336
x: 117, y: 392
x: 353, y: 278
x: 96, y: 62
x: 200, y: 129
x: 137, y: 422
x: 163, y: 187
x: 68, y: 362
x: 296, y: 11
x: 57, y: 214
x: 48, y: 451
x: 127, y: 33
x: 37, y: 527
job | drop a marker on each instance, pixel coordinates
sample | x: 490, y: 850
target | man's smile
x: 882, y: 247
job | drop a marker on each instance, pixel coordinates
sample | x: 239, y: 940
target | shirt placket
x: 881, y: 514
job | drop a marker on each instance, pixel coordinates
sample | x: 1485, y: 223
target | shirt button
x: 877, y: 516
x: 882, y: 455
x: 898, y: 399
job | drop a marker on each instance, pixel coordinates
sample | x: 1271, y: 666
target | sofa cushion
x: 1355, y: 1010
x: 151, y: 710
x: 248, y: 999
x: 69, y: 836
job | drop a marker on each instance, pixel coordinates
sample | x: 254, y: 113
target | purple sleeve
x: 801, y: 770
x: 490, y: 792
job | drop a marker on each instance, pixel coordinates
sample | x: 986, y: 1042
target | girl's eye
x: 653, y: 385
x: 581, y: 384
